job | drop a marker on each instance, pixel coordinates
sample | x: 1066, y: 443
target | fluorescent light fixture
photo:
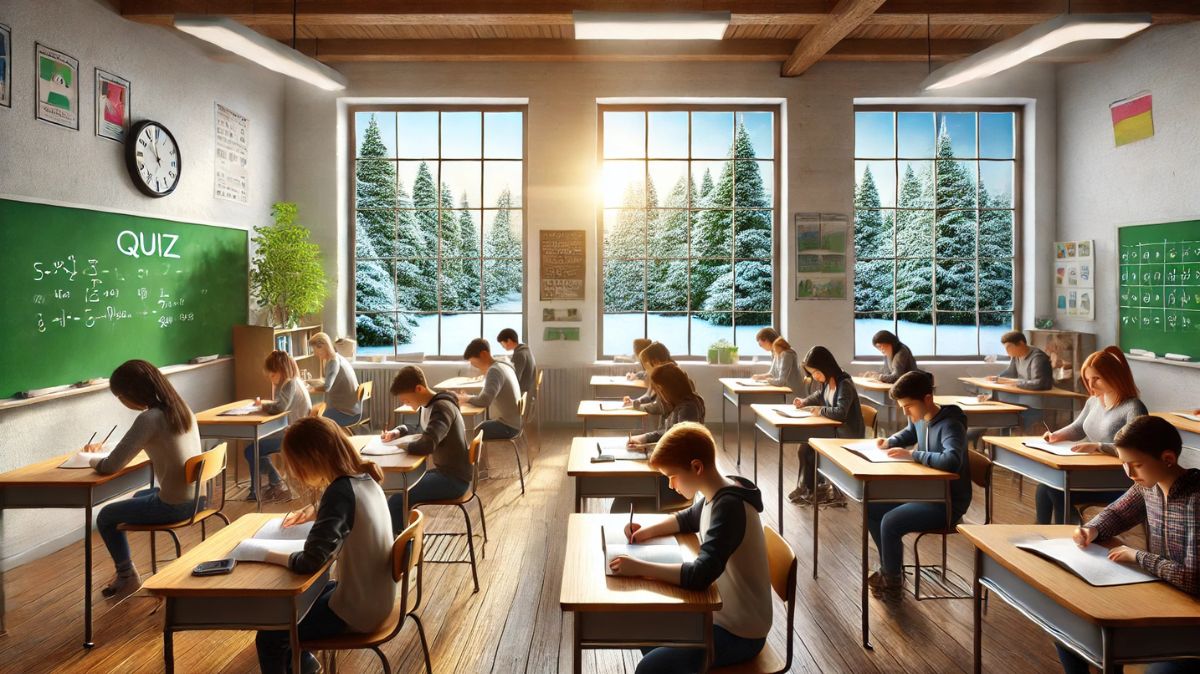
x: 254, y: 46
x: 1038, y: 40
x: 650, y: 25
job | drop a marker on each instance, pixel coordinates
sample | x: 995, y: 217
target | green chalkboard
x: 1160, y: 288
x: 84, y: 291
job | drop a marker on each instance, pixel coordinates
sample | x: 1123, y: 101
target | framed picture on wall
x: 5, y: 66
x: 112, y: 106
x: 57, y: 85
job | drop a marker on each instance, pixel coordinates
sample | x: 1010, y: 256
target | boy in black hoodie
x: 940, y: 434
x: 733, y: 552
x: 443, y: 434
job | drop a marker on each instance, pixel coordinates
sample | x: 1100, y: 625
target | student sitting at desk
x: 522, y: 360
x: 940, y: 434
x: 733, y: 552
x: 650, y: 357
x: 837, y: 399
x: 766, y: 341
x: 352, y: 522
x: 1028, y: 367
x: 1113, y: 402
x: 443, y: 435
x: 639, y: 345
x: 500, y: 393
x: 897, y: 357
x: 677, y: 401
x: 340, y: 385
x: 785, y: 367
x: 1165, y: 496
x: 288, y: 395
x: 166, y: 430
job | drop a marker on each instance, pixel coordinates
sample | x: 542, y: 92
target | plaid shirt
x: 1174, y: 528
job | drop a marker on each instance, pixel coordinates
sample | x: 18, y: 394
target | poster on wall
x: 563, y: 264
x: 1074, y: 279
x: 821, y: 255
x: 5, y: 66
x: 1132, y: 118
x: 112, y: 106
x: 231, y: 175
x: 57, y: 100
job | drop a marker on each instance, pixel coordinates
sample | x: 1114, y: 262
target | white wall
x: 1102, y: 186
x: 176, y: 83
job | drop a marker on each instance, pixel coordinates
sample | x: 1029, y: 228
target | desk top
x: 1179, y: 422
x: 48, y: 474
x: 1080, y: 462
x: 739, y: 385
x: 990, y: 407
x: 585, y: 587
x: 212, y: 417
x: 402, y: 462
x: 982, y: 382
x: 617, y: 381
x: 861, y: 469
x: 250, y: 579
x: 869, y: 384
x: 591, y: 408
x: 579, y: 462
x: 771, y: 415
x: 462, y: 383
x: 1142, y: 604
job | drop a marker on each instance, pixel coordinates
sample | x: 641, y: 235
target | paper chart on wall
x: 1074, y: 279
x: 231, y: 170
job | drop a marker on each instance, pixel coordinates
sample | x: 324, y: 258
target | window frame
x: 777, y: 160
x: 352, y: 154
x: 1018, y: 112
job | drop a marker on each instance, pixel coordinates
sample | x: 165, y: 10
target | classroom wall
x: 173, y: 81
x: 1102, y: 186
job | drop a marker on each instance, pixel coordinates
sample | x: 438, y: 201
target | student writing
x: 897, y: 357
x: 340, y: 385
x: 499, y: 394
x: 522, y: 360
x: 837, y: 399
x: 289, y: 394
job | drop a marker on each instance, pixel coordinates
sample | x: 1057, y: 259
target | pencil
x: 631, y: 522
x: 90, y: 439
x: 108, y: 436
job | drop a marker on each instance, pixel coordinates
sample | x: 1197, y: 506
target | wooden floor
x: 514, y: 623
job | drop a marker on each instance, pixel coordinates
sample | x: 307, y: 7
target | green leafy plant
x: 287, y: 278
x: 721, y: 344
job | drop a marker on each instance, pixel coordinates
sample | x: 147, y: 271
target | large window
x: 688, y: 200
x: 935, y: 201
x: 438, y: 227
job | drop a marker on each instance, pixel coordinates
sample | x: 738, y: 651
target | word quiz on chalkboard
x: 1159, y: 295
x: 87, y: 290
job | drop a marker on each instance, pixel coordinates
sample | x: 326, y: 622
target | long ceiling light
x: 1038, y: 40
x: 271, y: 54
x: 650, y: 25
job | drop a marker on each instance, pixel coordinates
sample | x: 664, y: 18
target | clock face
x: 153, y: 159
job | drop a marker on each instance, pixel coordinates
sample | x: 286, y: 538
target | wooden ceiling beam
x: 845, y: 16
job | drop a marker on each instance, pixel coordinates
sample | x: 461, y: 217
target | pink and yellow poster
x: 1132, y: 119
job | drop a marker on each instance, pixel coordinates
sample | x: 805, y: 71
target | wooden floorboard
x: 513, y: 624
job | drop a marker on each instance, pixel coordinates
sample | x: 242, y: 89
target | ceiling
x: 795, y: 33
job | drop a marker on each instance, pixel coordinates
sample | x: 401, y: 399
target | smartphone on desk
x: 215, y: 567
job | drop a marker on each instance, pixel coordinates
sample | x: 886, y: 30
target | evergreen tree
x: 375, y: 198
x: 706, y: 186
x: 872, y: 239
x: 956, y: 237
x: 503, y: 269
x: 625, y: 253
x: 450, y: 249
x: 914, y: 248
x: 468, y: 232
x: 425, y: 228
x: 995, y: 253
x: 667, y: 276
x: 374, y: 291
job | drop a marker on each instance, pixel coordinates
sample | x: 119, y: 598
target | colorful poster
x: 5, y: 66
x: 1132, y: 118
x: 57, y: 87
x: 821, y: 255
x: 232, y: 171
x: 1074, y: 282
x: 112, y: 106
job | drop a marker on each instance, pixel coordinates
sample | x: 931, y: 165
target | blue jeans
x: 497, y: 430
x: 728, y: 649
x: 433, y: 486
x: 274, y: 649
x: 1050, y: 502
x: 890, y: 522
x: 144, y: 508
x: 1073, y: 664
x: 341, y: 418
x: 266, y: 447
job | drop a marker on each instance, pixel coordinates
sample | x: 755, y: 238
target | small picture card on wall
x: 1132, y: 118
x: 821, y: 255
x: 1074, y: 282
x: 5, y: 66
x: 231, y: 177
x: 57, y: 84
x: 112, y: 106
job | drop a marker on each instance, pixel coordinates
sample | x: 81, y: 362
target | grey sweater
x: 525, y: 367
x: 901, y: 362
x: 168, y: 452
x: 842, y: 405
x: 443, y: 435
x: 291, y: 397
x: 691, y: 409
x: 1096, y: 424
x: 341, y: 386
x: 786, y: 371
x: 1032, y: 372
x: 500, y: 395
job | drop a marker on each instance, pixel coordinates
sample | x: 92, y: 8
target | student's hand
x: 1123, y: 553
x: 630, y: 376
x: 636, y: 440
x: 812, y: 409
x: 93, y: 447
x: 881, y: 443
x: 993, y: 378
x: 871, y: 374
x: 798, y: 403
x: 305, y: 514
x: 631, y: 530
x: 626, y: 400
x: 899, y: 453
x: 462, y: 398
x: 388, y: 436
x: 1085, y: 447
x: 1050, y: 436
x: 1083, y: 535
x: 624, y: 565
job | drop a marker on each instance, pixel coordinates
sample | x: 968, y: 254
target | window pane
x: 916, y: 331
x: 669, y: 233
x: 624, y: 286
x: 747, y: 325
x: 956, y: 134
x: 375, y: 234
x: 955, y: 285
x: 668, y: 136
x: 375, y: 134
x: 417, y: 184
x: 375, y: 333
x: 914, y: 233
x: 375, y: 289
x: 375, y: 183
x: 996, y: 184
x: 876, y: 181
x: 712, y: 135
x: 865, y: 327
x: 914, y: 286
x: 620, y: 330
x: 916, y: 184
x: 503, y: 135
x: 992, y: 326
x: 623, y: 184
x: 753, y: 286
x: 712, y: 184
x: 995, y: 284
x: 460, y: 284
x: 759, y: 128
x: 955, y: 184
x: 458, y: 330
x: 624, y: 134
x: 671, y: 330
x: 873, y: 233
x: 668, y: 184
x: 957, y: 334
x: 417, y: 333
x: 956, y: 234
x: 712, y: 286
x: 873, y: 286
x: 713, y: 234
x: 917, y: 134
x: 996, y: 135
x: 667, y: 285
x: 417, y: 135
x: 493, y: 323
x: 462, y: 135
x: 754, y: 230
x: 996, y: 234
x: 755, y: 184
x: 461, y: 180
x: 707, y: 329
x: 502, y: 232
x: 874, y: 135
x: 502, y: 184
x: 624, y: 234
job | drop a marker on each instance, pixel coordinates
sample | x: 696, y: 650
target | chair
x: 199, y: 471
x: 365, y: 390
x: 870, y: 419
x: 981, y: 476
x: 535, y: 411
x: 473, y: 452
x: 519, y: 439
x: 406, y: 555
x: 782, y: 568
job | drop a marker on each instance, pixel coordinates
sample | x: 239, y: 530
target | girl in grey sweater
x: 291, y: 396
x: 897, y: 358
x: 785, y: 368
x: 341, y: 384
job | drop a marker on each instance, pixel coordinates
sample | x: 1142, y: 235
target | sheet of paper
x: 84, y: 459
x: 609, y: 407
x: 245, y: 410
x: 377, y: 447
x: 972, y: 401
x: 1091, y: 563
x: 867, y: 450
x: 273, y: 529
x: 1189, y: 417
x: 1059, y: 448
x: 791, y: 412
x: 619, y: 449
x: 256, y: 549
x: 752, y: 382
x: 662, y: 550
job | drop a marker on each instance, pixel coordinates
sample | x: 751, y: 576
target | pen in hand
x: 631, y: 532
x: 110, y: 432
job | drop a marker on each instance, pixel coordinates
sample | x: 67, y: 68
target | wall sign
x: 564, y: 262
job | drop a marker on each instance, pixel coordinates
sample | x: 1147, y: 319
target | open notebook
x: 867, y: 450
x: 245, y: 410
x: 619, y: 449
x: 272, y: 536
x: 661, y: 550
x: 1091, y: 563
x: 1059, y: 448
x: 792, y: 412
x: 84, y: 459
x: 377, y: 447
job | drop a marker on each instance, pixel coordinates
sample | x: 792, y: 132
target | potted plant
x: 287, y: 278
x: 722, y: 352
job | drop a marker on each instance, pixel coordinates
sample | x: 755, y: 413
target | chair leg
x: 387, y: 667
x: 943, y: 557
x: 517, y: 454
x: 483, y: 522
x: 178, y: 549
x: 203, y: 533
x: 153, y: 555
x: 424, y: 643
x: 470, y: 546
x: 223, y: 517
x: 917, y: 567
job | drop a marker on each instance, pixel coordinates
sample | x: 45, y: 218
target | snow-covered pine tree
x: 625, y: 254
x: 667, y: 285
x: 956, y: 236
x: 450, y: 248
x: 995, y: 258
x: 468, y: 232
x: 872, y: 249
x: 502, y: 247
x: 914, y: 246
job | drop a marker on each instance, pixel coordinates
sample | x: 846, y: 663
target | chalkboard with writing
x: 1160, y: 288
x: 84, y: 291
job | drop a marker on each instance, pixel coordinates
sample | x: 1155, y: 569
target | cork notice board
x: 563, y: 263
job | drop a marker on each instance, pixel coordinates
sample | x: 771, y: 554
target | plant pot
x: 722, y: 355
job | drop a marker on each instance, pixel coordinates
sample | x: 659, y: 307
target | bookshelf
x: 252, y: 344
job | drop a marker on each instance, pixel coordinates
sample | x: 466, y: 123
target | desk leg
x: 585, y: 430
x: 255, y: 478
x: 737, y: 420
x: 577, y: 645
x: 778, y: 477
x: 708, y: 642
x: 866, y: 607
x: 755, y: 432
x: 294, y: 637
x: 977, y: 635
x: 404, y: 504
x: 168, y: 648
x: 1067, y: 497
x: 3, y: 629
x: 578, y: 498
x: 87, y: 573
x: 816, y: 521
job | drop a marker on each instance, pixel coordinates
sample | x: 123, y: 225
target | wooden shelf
x: 251, y: 346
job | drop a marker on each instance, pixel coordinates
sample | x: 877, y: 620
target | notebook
x: 1059, y: 448
x: 792, y: 412
x: 972, y: 401
x: 84, y: 459
x: 608, y: 407
x: 752, y: 382
x: 377, y: 447
x: 243, y: 411
x: 272, y: 537
x: 662, y: 550
x: 1189, y: 417
x: 867, y: 450
x: 1091, y: 563
x: 619, y: 449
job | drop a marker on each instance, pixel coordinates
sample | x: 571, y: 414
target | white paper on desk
x: 243, y: 411
x: 1059, y: 448
x: 753, y: 382
x: 792, y: 412
x: 615, y: 406
x: 973, y: 401
x: 1091, y: 563
x: 662, y: 550
x: 619, y: 449
x: 869, y: 451
x: 1189, y: 417
x: 84, y: 459
x: 377, y: 447
x: 272, y: 536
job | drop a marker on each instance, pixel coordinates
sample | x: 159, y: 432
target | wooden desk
x: 867, y: 483
x: 467, y: 411
x: 590, y: 410
x: 616, y: 386
x: 735, y: 391
x: 256, y: 596
x: 45, y: 485
x: 400, y: 471
x: 1069, y: 474
x: 992, y: 414
x: 785, y: 430
x: 471, y: 384
x: 613, y: 479
x: 1052, y: 398
x: 252, y: 427
x: 617, y: 612
x: 1189, y: 432
x: 1108, y: 626
x: 876, y: 393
